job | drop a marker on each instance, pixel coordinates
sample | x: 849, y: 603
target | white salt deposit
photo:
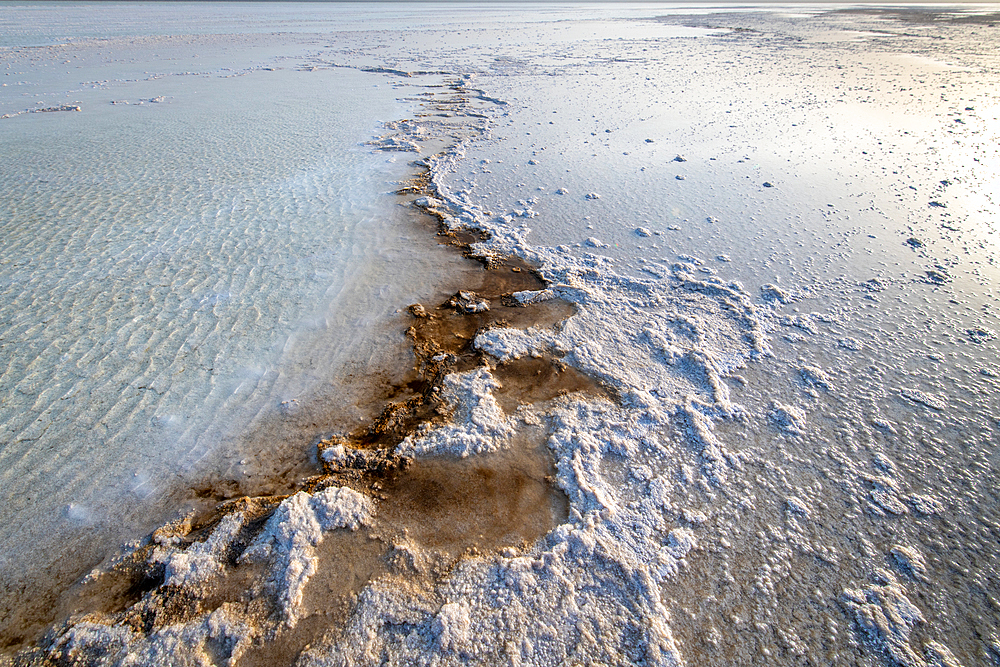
x: 569, y: 598
x: 909, y: 561
x: 528, y: 297
x: 288, y: 542
x: 887, y: 616
x: 478, y: 424
x: 924, y: 398
x: 285, y: 548
x: 203, y: 561
x: 789, y: 418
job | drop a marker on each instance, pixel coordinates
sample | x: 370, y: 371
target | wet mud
x: 533, y: 380
x: 346, y: 561
x: 475, y: 506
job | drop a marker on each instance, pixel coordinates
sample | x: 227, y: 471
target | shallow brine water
x: 738, y: 372
x: 187, y: 263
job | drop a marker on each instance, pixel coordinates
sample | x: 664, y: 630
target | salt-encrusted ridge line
x: 588, y: 283
x: 599, y: 570
x: 288, y: 542
x: 478, y: 425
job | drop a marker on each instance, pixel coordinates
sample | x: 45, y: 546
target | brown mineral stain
x: 533, y: 380
x: 124, y: 593
x: 442, y: 338
x: 346, y: 562
x: 481, y: 503
x: 448, y: 507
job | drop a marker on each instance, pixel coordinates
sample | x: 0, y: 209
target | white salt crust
x: 888, y: 617
x: 288, y: 542
x: 478, y: 424
x: 589, y: 592
x: 286, y: 550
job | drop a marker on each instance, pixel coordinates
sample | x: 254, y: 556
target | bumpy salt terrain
x: 724, y: 391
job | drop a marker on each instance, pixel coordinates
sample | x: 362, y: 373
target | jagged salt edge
x: 594, y: 572
x: 887, y: 617
x: 519, y: 600
x: 599, y: 559
x: 184, y: 643
x: 289, y: 539
x: 583, y: 560
x: 478, y: 424
x: 202, y: 561
x: 286, y: 545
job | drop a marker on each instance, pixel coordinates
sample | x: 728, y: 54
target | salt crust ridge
x: 286, y: 548
x: 888, y: 617
x: 478, y: 422
x: 291, y: 535
x: 588, y: 592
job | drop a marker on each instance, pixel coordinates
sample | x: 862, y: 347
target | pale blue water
x: 172, y: 270
x: 36, y: 24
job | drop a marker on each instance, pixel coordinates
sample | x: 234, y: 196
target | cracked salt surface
x: 786, y: 465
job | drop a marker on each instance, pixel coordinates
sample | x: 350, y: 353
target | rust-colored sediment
x: 448, y: 508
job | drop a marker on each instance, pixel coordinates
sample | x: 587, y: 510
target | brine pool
x: 765, y: 247
x: 188, y: 263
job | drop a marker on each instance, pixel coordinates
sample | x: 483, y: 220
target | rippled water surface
x: 204, y: 243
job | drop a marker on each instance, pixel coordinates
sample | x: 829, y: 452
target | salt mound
x: 174, y: 630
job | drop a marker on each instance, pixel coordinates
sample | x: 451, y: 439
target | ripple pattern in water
x: 157, y: 261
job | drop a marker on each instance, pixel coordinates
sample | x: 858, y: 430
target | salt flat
x: 740, y: 348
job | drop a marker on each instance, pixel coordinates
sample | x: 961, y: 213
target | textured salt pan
x: 590, y: 590
x: 770, y: 453
x: 825, y: 441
